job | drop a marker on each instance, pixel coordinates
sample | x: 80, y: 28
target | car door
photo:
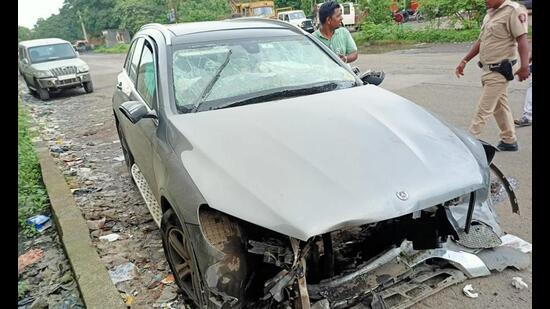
x: 138, y: 83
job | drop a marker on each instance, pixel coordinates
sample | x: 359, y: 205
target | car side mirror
x: 372, y: 78
x: 77, y: 53
x: 136, y: 110
x: 25, y: 61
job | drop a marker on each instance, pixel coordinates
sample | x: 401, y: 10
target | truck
x: 264, y: 9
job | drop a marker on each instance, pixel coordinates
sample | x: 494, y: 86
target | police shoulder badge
x: 522, y: 18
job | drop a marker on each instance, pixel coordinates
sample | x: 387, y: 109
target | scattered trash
x: 322, y: 304
x: 128, y: 300
x: 518, y: 283
x: 30, y: 257
x: 40, y: 222
x: 95, y: 224
x: 468, y: 291
x: 515, y: 242
x: 500, y: 258
x: 25, y: 301
x: 82, y: 191
x: 122, y: 272
x: 111, y: 237
x: 169, y: 279
x: 168, y: 295
x: 56, y: 149
x: 119, y: 158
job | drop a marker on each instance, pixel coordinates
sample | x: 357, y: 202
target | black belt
x: 493, y: 66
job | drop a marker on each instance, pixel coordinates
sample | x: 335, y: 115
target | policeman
x: 503, y: 35
x: 333, y: 35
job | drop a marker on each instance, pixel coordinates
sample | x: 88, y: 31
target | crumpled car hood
x: 313, y: 164
x: 42, y: 66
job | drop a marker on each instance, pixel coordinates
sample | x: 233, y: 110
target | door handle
x: 119, y: 85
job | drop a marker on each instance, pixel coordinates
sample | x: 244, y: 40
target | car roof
x: 40, y: 42
x: 293, y: 11
x: 173, y: 31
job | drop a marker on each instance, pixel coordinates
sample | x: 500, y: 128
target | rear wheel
x: 128, y: 158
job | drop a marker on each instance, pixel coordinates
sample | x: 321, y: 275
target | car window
x: 286, y: 17
x: 129, y: 56
x: 135, y: 60
x: 146, y: 80
x: 297, y: 15
x: 51, y: 52
x: 254, y: 66
x: 346, y: 9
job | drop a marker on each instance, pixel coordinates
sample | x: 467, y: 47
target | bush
x: 378, y: 11
x: 469, y: 13
x: 32, y: 196
x: 371, y: 33
x: 117, y: 49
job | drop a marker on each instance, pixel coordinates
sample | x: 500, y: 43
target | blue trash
x: 40, y: 222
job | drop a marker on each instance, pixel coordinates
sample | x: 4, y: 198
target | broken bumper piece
x: 402, y: 276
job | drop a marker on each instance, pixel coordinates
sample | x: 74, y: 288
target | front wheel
x: 43, y: 94
x: 89, y: 87
x: 178, y: 250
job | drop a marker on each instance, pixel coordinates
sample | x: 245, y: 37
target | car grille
x: 67, y: 81
x: 64, y: 70
x: 307, y: 24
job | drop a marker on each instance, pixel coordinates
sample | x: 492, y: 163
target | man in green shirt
x: 333, y: 35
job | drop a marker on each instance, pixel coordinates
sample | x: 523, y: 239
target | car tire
x: 179, y: 254
x: 43, y: 94
x: 128, y: 157
x: 89, y: 87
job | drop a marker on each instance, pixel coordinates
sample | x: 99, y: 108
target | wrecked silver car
x: 279, y: 179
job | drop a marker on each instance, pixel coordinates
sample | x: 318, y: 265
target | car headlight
x: 83, y: 68
x: 43, y: 74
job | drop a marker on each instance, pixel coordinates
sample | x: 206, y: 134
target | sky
x: 28, y: 11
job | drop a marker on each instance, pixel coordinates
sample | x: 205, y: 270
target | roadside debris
x: 518, y: 283
x: 122, y: 272
x: 500, y: 258
x: 40, y: 222
x: 95, y: 224
x: 515, y: 242
x: 30, y: 257
x: 468, y: 291
x: 169, y: 279
x: 110, y: 238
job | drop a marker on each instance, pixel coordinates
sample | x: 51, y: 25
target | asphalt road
x: 424, y: 75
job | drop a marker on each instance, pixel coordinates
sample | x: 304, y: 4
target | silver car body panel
x: 309, y: 165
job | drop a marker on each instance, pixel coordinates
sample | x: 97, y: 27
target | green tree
x: 23, y: 33
x: 97, y: 15
x: 378, y: 11
x: 64, y: 25
x: 202, y: 10
x: 469, y: 13
x: 133, y: 14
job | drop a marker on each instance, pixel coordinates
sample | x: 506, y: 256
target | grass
x: 32, y: 195
x: 117, y: 49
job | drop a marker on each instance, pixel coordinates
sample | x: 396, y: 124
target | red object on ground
x: 30, y: 257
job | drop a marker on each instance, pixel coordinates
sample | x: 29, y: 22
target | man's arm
x: 352, y: 57
x: 523, y: 49
x: 459, y: 71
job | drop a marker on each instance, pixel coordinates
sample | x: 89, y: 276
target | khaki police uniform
x: 498, y: 42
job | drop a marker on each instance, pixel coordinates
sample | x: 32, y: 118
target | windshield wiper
x: 312, y: 89
x: 210, y: 85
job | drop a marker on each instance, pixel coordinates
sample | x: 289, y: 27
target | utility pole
x: 82, y: 25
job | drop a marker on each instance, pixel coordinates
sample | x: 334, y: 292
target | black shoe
x: 522, y: 122
x: 502, y: 146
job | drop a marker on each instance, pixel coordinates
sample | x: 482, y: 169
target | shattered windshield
x: 51, y: 52
x: 255, y: 68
